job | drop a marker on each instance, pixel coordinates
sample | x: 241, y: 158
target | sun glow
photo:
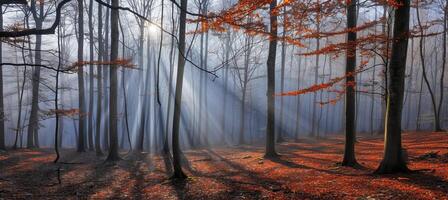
x: 152, y: 29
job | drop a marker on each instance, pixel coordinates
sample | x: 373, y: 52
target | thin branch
x: 34, y: 31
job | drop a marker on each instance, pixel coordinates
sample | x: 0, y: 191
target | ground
x: 307, y: 169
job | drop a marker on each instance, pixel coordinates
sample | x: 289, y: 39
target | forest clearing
x: 307, y: 169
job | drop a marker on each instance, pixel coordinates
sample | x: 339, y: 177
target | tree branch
x: 34, y: 31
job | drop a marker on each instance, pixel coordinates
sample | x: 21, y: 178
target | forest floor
x: 307, y: 169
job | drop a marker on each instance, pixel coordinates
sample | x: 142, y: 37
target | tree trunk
x: 178, y: 173
x: 393, y: 160
x: 445, y: 27
x: 437, y: 127
x: 33, y: 126
x: 225, y: 93
x: 316, y: 76
x: 350, y: 99
x: 113, y: 123
x: 2, y: 112
x: 170, y: 88
x: 270, y: 126
x: 106, y: 57
x: 298, y: 120
x: 282, y: 82
x: 91, y: 81
x: 81, y: 92
x: 99, y: 82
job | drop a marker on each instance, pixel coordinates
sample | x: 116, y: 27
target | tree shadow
x: 424, y: 179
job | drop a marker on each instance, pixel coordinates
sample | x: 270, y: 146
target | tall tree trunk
x: 81, y: 91
x: 372, y: 88
x: 282, y: 82
x: 159, y: 104
x: 2, y: 111
x: 393, y: 160
x: 248, y: 44
x: 298, y: 120
x: 437, y: 127
x: 33, y: 126
x: 91, y: 81
x: 316, y: 76
x: 99, y: 83
x: 225, y: 93
x: 410, y: 86
x: 113, y: 123
x: 170, y: 81
x: 178, y: 173
x: 445, y: 27
x: 270, y: 126
x: 106, y: 114
x: 56, y: 106
x: 350, y: 99
x: 205, y: 85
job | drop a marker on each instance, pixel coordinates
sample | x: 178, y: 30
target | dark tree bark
x: 444, y: 40
x: 350, y: 96
x: 106, y: 57
x: 393, y: 160
x: 113, y: 123
x: 81, y: 95
x: 270, y: 127
x: 282, y: 82
x: 2, y: 112
x: 99, y: 83
x: 178, y: 173
x: 91, y: 81
x: 166, y: 149
x: 56, y: 106
x: 33, y: 127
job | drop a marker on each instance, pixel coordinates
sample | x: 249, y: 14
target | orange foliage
x: 126, y: 63
x: 65, y: 112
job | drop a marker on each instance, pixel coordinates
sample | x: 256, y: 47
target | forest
x: 230, y: 99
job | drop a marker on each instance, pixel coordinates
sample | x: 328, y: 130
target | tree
x: 393, y: 159
x: 99, y: 83
x: 91, y: 81
x: 81, y: 92
x: 350, y: 99
x: 437, y: 126
x: 2, y: 113
x: 270, y: 126
x: 282, y: 80
x: 178, y: 173
x: 113, y: 123
x: 33, y: 127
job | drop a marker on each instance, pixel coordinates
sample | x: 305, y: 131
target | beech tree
x: 81, y: 93
x: 350, y: 97
x: 270, y: 126
x: 393, y: 159
x: 114, y: 36
x: 2, y: 113
x: 178, y: 173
